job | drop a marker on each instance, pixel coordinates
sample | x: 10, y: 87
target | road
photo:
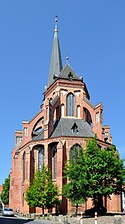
x: 15, y: 220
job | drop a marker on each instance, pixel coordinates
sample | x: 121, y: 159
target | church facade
x: 67, y: 118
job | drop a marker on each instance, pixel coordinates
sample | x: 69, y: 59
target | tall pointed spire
x: 56, y: 61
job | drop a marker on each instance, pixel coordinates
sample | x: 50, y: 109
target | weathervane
x: 56, y: 18
x: 56, y: 23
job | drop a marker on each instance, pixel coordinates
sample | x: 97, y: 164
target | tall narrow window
x: 78, y: 111
x: 70, y: 105
x: 23, y: 199
x: 97, y: 117
x: 25, y: 132
x: 47, y: 113
x: 84, y: 114
x: 24, y: 165
x: 18, y: 140
x: 62, y: 110
x: 41, y: 157
x: 54, y: 163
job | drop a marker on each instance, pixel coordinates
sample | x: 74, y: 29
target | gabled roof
x: 68, y: 73
x: 65, y: 127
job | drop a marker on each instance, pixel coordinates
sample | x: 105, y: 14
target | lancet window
x: 41, y: 157
x: 70, y: 100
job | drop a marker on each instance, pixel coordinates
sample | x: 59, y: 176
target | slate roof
x: 68, y: 73
x: 56, y: 61
x: 55, y: 100
x: 65, y: 127
x: 88, y: 102
x: 56, y: 69
x: 40, y: 136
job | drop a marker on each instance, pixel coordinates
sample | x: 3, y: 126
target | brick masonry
x: 37, y: 133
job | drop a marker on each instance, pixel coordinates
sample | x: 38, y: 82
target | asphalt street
x: 15, y: 220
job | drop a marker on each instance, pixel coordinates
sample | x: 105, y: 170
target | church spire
x: 56, y: 61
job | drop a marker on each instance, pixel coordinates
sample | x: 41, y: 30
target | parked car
x: 8, y: 212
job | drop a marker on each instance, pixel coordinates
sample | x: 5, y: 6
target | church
x: 66, y: 118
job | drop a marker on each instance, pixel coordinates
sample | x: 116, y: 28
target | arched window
x: 24, y: 166
x: 78, y: 111
x: 70, y: 105
x: 41, y: 157
x: 54, y: 162
x: 62, y: 110
x: 97, y: 117
x: 75, y: 151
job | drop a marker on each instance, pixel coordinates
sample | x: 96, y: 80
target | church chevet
x: 66, y: 118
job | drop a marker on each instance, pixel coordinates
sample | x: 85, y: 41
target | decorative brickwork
x: 67, y: 117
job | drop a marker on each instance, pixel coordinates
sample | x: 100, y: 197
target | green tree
x: 77, y: 186
x: 42, y: 192
x: 94, y: 172
x: 5, y: 191
x: 106, y: 171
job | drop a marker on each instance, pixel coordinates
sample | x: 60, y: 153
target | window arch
x: 70, y: 100
x: 74, y: 151
x: 38, y: 127
x: 41, y: 157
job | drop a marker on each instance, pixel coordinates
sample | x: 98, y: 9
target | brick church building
x: 66, y: 118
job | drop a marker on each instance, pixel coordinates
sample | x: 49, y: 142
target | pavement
x: 100, y: 220
x: 107, y: 219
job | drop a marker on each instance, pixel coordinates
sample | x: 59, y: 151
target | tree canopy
x: 106, y: 171
x: 76, y: 188
x: 42, y: 192
x: 93, y: 172
x: 5, y: 191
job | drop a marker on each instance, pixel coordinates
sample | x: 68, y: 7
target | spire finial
x: 67, y: 57
x: 56, y: 24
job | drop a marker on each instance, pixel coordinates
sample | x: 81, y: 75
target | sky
x: 93, y: 31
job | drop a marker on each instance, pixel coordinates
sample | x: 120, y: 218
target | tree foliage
x: 76, y: 188
x: 42, y: 192
x: 106, y: 171
x: 94, y: 172
x: 5, y: 191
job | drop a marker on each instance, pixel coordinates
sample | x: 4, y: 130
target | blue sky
x: 94, y: 34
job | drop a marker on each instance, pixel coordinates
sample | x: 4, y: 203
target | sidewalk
x: 100, y: 220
